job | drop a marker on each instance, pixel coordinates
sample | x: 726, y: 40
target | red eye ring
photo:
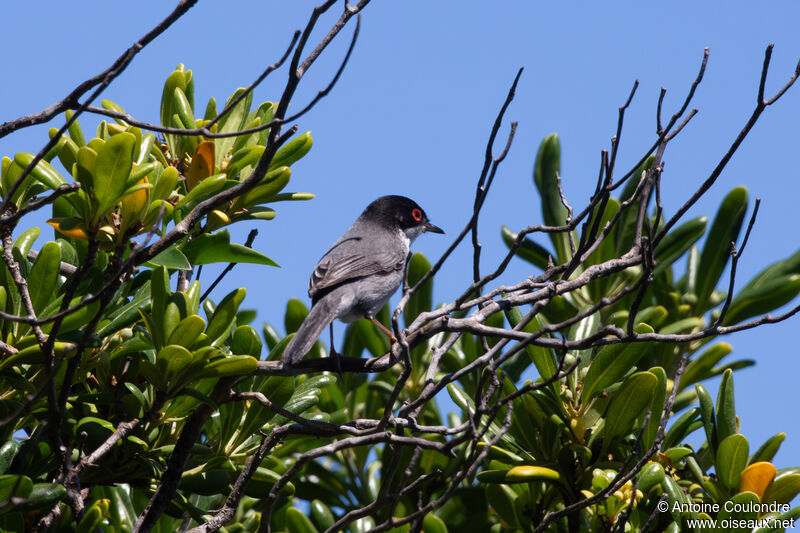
x: 416, y: 214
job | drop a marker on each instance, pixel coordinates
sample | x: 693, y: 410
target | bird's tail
x: 322, y: 313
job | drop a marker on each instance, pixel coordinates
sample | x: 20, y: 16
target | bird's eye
x: 416, y: 214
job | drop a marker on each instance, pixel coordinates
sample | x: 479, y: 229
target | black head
x: 401, y: 212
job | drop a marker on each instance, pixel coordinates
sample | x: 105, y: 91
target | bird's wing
x: 334, y: 270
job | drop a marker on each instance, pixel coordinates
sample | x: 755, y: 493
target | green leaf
x: 183, y: 108
x: 221, y: 321
x: 171, y: 258
x: 542, y: 358
x: 128, y: 313
x: 501, y: 499
x: 217, y: 248
x: 726, y: 408
x: 545, y: 176
x: 298, y: 522
x: 612, y: 363
x: 742, y: 506
x: 42, y: 172
x: 529, y: 250
x: 767, y: 451
x: 171, y: 359
x: 322, y: 515
x: 717, y: 249
x: 43, y: 277
x: 422, y: 300
x: 292, y: 151
x: 768, y: 296
x: 187, y: 331
x: 233, y: 120
x: 629, y: 402
x: 14, y: 486
x: 677, y: 242
x: 244, y: 157
x: 26, y: 240
x: 296, y: 312
x: 266, y: 190
x: 8, y: 451
x: 75, y: 131
x: 783, y: 488
x: 245, y: 341
x: 43, y: 497
x: 168, y: 104
x: 656, y: 407
x: 112, y: 168
x: 731, y: 459
x: 700, y: 367
x: 433, y: 524
x: 708, y: 416
x: 202, y: 191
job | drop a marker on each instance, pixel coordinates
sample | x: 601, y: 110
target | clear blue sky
x: 412, y: 112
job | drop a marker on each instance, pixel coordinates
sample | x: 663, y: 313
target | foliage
x: 578, y: 392
x: 137, y: 349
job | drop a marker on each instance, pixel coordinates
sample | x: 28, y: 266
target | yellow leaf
x: 217, y: 219
x: 67, y: 228
x: 202, y: 165
x: 756, y: 477
x: 134, y: 205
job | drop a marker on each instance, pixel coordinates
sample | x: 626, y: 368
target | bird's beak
x: 433, y: 229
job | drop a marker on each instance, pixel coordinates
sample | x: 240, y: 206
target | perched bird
x: 359, y: 273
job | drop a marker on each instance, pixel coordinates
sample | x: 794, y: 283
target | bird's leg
x: 335, y: 357
x: 392, y: 338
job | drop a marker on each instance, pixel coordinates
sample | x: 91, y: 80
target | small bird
x: 359, y: 273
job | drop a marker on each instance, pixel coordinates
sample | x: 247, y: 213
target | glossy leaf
x: 202, y: 165
x: 757, y: 477
x: 708, y: 416
x: 529, y: 250
x: 298, y: 522
x: 292, y: 151
x: 717, y: 248
x: 677, y: 242
x: 43, y: 277
x: 656, y: 407
x: 629, y: 402
x: 233, y: 120
x: 171, y: 258
x: 760, y: 300
x: 221, y: 321
x: 699, y: 368
x: 204, y: 190
x: 217, y: 248
x: 546, y: 169
x: 726, y: 408
x: 422, y: 300
x: 501, y: 499
x: 541, y: 357
x: 111, y: 171
x: 730, y: 460
x: 740, y: 507
x: 268, y: 188
x: 612, y: 363
x: 767, y: 451
x: 42, y: 172
x: 784, y: 488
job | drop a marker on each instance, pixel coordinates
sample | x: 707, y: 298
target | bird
x: 360, y: 272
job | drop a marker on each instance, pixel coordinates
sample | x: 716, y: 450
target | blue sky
x: 412, y: 112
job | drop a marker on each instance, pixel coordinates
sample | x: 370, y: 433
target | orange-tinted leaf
x: 69, y: 227
x: 202, y: 165
x: 756, y: 477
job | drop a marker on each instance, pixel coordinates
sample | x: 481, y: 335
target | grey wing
x: 333, y: 270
